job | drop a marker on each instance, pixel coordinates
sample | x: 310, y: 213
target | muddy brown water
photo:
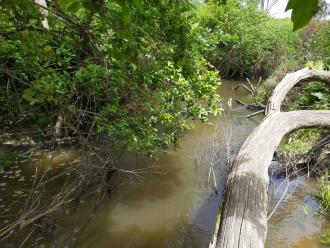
x: 173, y: 204
x: 297, y: 221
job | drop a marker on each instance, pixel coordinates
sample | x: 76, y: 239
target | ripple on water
x: 295, y: 222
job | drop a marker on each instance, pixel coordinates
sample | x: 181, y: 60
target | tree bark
x: 244, y: 208
x: 290, y: 80
x: 244, y: 215
x: 44, y: 12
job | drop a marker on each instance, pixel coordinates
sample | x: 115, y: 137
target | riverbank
x: 173, y: 202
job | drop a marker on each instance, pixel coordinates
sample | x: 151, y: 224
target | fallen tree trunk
x: 290, y: 80
x: 244, y: 215
x: 243, y: 220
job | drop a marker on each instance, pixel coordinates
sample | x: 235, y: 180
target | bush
x: 315, y: 95
x: 242, y: 40
x: 130, y: 71
x: 300, y: 141
x: 323, y: 194
x: 314, y: 40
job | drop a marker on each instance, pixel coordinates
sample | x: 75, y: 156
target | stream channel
x: 175, y: 203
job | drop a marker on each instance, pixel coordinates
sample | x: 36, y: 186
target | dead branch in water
x: 251, y: 106
x: 255, y: 113
x: 244, y: 215
x: 244, y: 208
x: 253, y: 90
x: 215, y: 150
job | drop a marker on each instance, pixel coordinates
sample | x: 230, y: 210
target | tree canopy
x: 130, y: 69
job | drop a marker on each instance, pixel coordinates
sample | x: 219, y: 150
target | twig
x: 278, y: 203
x: 245, y: 87
x: 251, y: 87
x: 259, y: 83
x: 255, y: 113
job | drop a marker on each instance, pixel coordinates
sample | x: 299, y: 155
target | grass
x: 325, y: 238
x: 323, y: 194
x: 300, y: 141
x: 7, y: 158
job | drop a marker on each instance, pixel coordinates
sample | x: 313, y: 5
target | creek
x: 173, y: 204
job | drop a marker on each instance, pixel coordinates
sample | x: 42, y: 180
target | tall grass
x: 323, y: 194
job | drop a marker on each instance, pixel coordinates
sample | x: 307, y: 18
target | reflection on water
x: 172, y: 204
x: 295, y: 223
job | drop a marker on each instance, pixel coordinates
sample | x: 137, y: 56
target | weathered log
x: 244, y: 208
x: 44, y: 12
x: 255, y: 113
x: 290, y: 80
x: 244, y: 215
x: 254, y: 92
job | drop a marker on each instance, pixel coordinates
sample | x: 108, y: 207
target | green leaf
x: 94, y: 6
x: 71, y: 5
x: 290, y: 4
x: 28, y: 95
x: 74, y: 7
x: 319, y: 95
x: 126, y: 15
x: 302, y: 11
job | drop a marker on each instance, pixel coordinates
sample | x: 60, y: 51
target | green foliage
x: 300, y: 141
x: 325, y: 237
x: 286, y: 66
x: 138, y: 70
x: 241, y: 40
x: 130, y: 69
x: 323, y: 194
x: 319, y: 43
x: 302, y: 11
x: 315, y: 95
x: 310, y: 50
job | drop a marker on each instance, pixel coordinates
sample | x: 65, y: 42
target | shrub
x: 315, y: 95
x: 243, y: 41
x: 130, y: 71
x: 314, y: 40
x: 300, y: 141
x: 323, y: 194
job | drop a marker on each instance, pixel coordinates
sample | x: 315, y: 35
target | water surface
x: 175, y: 201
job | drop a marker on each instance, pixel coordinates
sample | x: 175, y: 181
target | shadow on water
x: 171, y: 204
x: 141, y: 210
x: 161, y: 219
x: 157, y: 183
x: 295, y: 223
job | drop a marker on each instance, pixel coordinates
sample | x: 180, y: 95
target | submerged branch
x: 244, y: 208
